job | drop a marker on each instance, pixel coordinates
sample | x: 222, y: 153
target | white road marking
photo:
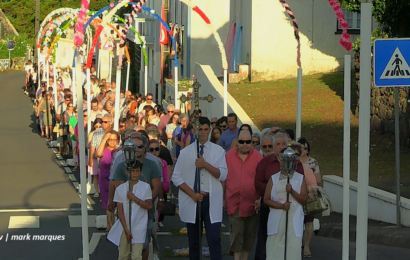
x: 24, y: 222
x: 94, y: 241
x: 72, y: 177
x: 75, y: 220
x: 63, y: 163
x: 67, y: 169
x: 76, y: 185
x: 38, y: 210
x: 59, y: 157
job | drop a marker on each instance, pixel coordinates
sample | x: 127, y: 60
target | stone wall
x: 382, y: 108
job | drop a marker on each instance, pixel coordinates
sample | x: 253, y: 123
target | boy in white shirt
x: 141, y: 202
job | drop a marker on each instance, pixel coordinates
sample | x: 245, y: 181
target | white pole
x: 83, y: 171
x: 128, y: 76
x: 117, y: 99
x: 38, y: 71
x: 299, y: 105
x: 146, y: 80
x: 225, y: 92
x: 364, y: 132
x: 44, y: 67
x: 55, y: 86
x: 176, y: 87
x: 74, y: 83
x: 110, y: 57
x: 98, y: 65
x: 47, y: 71
x: 90, y: 187
x: 397, y: 146
x: 346, y: 157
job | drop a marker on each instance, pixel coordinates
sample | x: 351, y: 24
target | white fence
x: 5, y: 63
x: 382, y: 204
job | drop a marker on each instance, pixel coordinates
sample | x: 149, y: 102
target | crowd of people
x: 236, y: 170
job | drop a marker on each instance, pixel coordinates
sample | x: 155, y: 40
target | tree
x: 21, y: 13
x: 391, y: 14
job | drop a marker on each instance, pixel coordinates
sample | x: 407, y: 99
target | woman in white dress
x: 275, y: 198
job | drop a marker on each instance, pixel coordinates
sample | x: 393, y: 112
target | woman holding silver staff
x: 285, y: 195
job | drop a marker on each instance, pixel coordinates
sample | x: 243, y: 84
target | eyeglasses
x: 213, y: 123
x: 122, y: 126
x: 170, y: 111
x: 149, y: 98
x: 297, y: 154
x: 267, y: 146
x: 140, y: 146
x: 244, y: 141
x: 106, y: 122
x: 154, y: 149
x: 224, y: 126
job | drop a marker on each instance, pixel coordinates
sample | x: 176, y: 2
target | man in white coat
x: 212, y: 170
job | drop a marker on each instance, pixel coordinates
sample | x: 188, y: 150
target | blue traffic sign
x: 391, y: 62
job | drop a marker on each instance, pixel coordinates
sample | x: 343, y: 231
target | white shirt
x: 139, y: 216
x: 276, y: 214
x: 184, y: 172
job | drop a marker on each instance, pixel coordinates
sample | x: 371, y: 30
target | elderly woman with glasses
x: 313, y: 165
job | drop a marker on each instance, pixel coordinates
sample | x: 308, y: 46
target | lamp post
x: 129, y: 149
x: 289, y: 160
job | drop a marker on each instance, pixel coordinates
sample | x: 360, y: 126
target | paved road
x: 37, y: 195
x: 39, y: 198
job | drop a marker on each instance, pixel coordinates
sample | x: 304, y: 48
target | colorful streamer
x: 345, y: 40
x: 139, y: 38
x: 79, y: 30
x: 212, y: 28
x: 295, y: 27
x: 152, y: 12
x: 128, y: 24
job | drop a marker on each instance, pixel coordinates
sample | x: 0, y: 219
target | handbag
x: 315, y: 205
x: 169, y: 208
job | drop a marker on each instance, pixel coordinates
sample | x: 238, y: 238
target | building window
x: 353, y: 19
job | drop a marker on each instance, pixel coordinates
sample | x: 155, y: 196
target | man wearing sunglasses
x: 268, y: 166
x: 211, y: 165
x: 241, y: 199
x: 148, y: 102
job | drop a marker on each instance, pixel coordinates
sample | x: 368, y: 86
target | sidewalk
x: 379, y: 233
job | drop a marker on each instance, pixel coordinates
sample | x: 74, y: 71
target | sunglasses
x: 213, y: 123
x: 267, y: 146
x: 154, y: 149
x: 170, y: 111
x: 106, y: 122
x: 244, y: 141
x: 224, y: 126
x: 149, y: 98
x: 297, y: 154
x: 140, y: 146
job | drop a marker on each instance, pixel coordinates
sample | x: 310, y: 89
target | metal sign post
x: 391, y: 62
x: 10, y: 45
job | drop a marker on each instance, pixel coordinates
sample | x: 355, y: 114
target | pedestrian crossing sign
x: 391, y: 62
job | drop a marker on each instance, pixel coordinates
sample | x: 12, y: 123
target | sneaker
x: 96, y: 195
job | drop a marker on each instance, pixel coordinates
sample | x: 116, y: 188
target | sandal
x: 307, y: 254
x: 96, y: 195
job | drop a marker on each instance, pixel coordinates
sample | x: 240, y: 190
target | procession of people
x: 216, y: 169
